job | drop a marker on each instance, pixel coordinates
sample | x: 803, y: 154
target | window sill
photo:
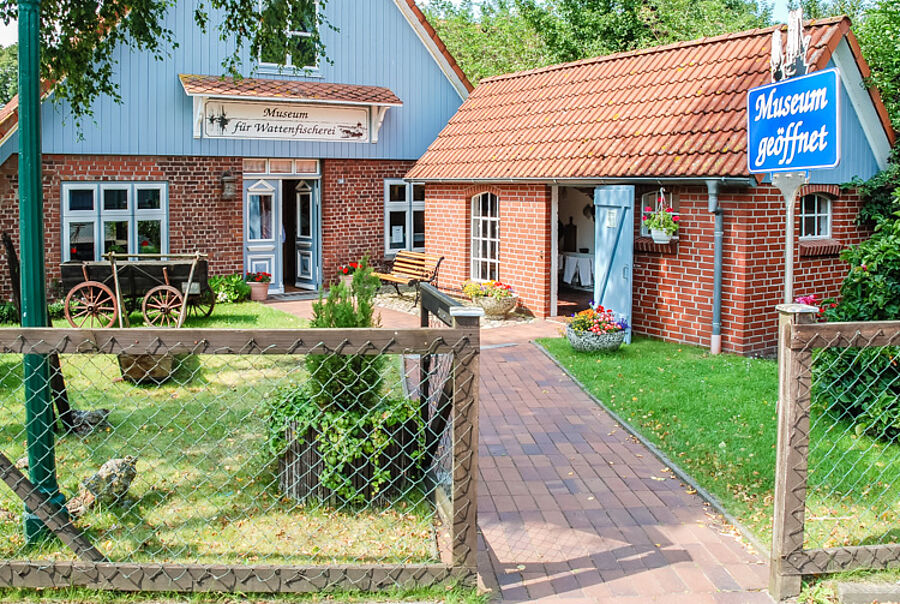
x: 646, y: 244
x: 813, y: 248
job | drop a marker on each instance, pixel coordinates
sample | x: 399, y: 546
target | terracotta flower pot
x: 497, y: 308
x: 258, y: 291
x: 588, y: 341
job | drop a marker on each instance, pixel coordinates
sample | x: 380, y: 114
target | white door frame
x: 554, y: 250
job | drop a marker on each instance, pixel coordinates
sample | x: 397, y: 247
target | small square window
x: 815, y: 217
x: 81, y: 200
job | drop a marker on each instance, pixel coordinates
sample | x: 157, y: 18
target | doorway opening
x: 575, y: 250
x: 299, y: 228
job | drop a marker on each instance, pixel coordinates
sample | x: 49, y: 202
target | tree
x: 79, y: 37
x: 879, y: 38
x: 576, y: 29
x: 9, y: 72
x: 494, y: 38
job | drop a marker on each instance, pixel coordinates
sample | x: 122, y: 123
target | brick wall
x: 674, y: 284
x: 199, y: 219
x: 353, y: 210
x: 525, y: 232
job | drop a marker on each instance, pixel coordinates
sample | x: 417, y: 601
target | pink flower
x: 675, y: 219
x: 648, y: 209
x: 670, y: 210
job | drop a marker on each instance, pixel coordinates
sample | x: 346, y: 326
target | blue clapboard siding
x: 376, y: 45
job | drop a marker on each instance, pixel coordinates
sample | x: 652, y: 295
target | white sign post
x: 789, y: 183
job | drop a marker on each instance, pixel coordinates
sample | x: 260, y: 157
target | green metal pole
x: 39, y: 417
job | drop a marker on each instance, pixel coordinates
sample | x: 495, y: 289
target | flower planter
x: 586, y: 341
x: 258, y: 291
x: 659, y: 236
x: 497, y: 308
x: 146, y: 368
x: 300, y: 467
x: 347, y: 279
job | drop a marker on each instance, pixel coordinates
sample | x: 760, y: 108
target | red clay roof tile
x: 288, y: 90
x: 675, y: 110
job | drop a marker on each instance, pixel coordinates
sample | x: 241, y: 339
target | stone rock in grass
x: 85, y: 422
x: 108, y: 485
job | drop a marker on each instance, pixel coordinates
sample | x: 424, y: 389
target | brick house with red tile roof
x: 293, y: 170
x: 512, y: 183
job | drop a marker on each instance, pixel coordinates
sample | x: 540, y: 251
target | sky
x: 9, y: 33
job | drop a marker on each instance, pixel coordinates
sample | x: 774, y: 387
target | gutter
x: 735, y: 181
x: 712, y: 188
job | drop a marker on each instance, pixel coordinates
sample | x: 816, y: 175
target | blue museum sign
x: 794, y: 124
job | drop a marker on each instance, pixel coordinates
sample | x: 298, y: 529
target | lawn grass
x: 715, y: 416
x: 450, y: 593
x: 247, y: 315
x: 206, y: 490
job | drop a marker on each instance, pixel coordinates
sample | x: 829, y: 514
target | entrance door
x: 307, y: 236
x: 262, y: 226
x: 614, y: 248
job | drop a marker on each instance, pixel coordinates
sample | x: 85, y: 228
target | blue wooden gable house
x: 293, y: 170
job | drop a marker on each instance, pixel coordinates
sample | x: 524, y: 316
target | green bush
x: 344, y: 404
x: 880, y: 194
x: 862, y: 385
x: 8, y: 313
x: 230, y: 288
x: 56, y: 309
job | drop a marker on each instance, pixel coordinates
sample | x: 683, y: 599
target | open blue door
x: 614, y: 248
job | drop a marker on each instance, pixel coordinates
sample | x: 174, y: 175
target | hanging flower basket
x: 586, y: 341
x: 660, y: 236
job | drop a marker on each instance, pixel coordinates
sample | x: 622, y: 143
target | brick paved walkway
x: 573, y: 509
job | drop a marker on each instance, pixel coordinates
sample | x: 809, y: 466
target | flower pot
x: 660, y: 236
x: 146, y: 368
x: 347, y: 279
x: 497, y: 308
x: 258, y: 291
x: 587, y: 341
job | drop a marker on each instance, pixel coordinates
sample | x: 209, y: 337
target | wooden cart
x: 168, y: 287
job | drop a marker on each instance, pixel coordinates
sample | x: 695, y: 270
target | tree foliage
x: 879, y: 38
x: 9, y: 72
x: 489, y: 39
x: 79, y: 38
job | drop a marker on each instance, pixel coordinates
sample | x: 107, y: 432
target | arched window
x: 815, y: 216
x: 485, y: 237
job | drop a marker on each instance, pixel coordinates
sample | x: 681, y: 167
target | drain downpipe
x: 712, y: 188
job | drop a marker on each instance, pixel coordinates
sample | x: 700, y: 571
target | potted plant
x: 259, y: 285
x: 662, y: 222
x: 496, y: 298
x: 596, y: 329
x: 345, y: 272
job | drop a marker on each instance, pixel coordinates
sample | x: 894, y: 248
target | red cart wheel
x: 91, y: 304
x: 162, y: 306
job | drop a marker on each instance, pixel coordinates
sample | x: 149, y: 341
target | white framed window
x: 485, y: 237
x: 297, y: 48
x: 121, y: 217
x: 815, y: 217
x: 655, y: 200
x: 404, y: 216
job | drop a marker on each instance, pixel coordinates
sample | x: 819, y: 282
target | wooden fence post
x: 465, y: 442
x: 792, y: 449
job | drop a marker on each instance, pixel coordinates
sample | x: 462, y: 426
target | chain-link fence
x: 837, y: 495
x: 257, y: 461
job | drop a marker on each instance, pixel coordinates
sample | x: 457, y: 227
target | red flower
x: 648, y: 209
x: 674, y: 218
x: 145, y: 243
x: 669, y: 210
x: 646, y: 217
x: 354, y: 265
x: 74, y: 250
x: 346, y: 270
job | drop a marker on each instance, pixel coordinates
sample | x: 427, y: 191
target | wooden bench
x: 412, y: 268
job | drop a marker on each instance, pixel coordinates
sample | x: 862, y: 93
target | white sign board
x: 284, y: 121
